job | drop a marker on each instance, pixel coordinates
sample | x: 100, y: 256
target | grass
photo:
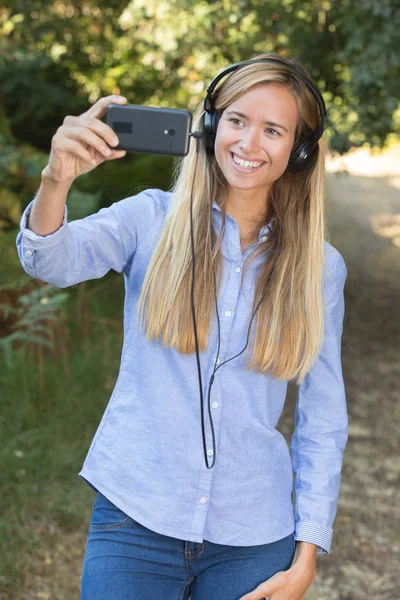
x: 48, y: 418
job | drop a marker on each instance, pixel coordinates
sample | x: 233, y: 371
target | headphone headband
x: 301, y: 156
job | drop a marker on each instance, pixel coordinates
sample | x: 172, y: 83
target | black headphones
x: 301, y: 156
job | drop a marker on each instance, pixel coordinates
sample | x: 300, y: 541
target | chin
x: 244, y: 185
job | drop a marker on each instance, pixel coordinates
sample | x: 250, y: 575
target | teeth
x: 245, y: 163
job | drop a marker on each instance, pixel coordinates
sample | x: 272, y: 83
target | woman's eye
x: 274, y: 130
x: 269, y: 129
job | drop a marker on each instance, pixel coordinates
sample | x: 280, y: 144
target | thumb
x: 265, y: 589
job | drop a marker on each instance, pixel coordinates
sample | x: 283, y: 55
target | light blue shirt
x: 147, y: 454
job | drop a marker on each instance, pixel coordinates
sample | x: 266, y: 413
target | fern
x: 25, y: 317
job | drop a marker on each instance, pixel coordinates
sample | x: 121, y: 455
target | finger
x: 77, y: 148
x: 87, y: 136
x: 113, y: 156
x: 100, y: 107
x: 116, y: 154
x: 103, y: 130
x: 260, y: 592
x: 257, y: 594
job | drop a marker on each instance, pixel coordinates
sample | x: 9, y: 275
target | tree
x: 58, y: 57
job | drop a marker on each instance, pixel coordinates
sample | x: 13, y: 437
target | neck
x: 247, y: 207
x: 249, y: 212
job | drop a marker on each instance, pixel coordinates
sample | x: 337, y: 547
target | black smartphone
x: 150, y: 130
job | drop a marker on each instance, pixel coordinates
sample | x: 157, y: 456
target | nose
x: 250, y: 141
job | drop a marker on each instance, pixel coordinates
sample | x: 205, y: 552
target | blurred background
x: 60, y: 349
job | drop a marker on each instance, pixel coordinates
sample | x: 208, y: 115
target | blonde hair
x: 289, y: 324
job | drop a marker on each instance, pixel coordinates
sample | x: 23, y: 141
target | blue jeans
x: 126, y: 561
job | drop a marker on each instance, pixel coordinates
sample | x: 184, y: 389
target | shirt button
x: 217, y: 360
x: 264, y: 238
x: 215, y: 404
x: 28, y: 253
x: 237, y: 270
x: 210, y: 452
x: 228, y: 313
x: 203, y: 500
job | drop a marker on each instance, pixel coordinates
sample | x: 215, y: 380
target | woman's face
x: 259, y: 127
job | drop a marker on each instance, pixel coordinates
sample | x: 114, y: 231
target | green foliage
x: 28, y: 315
x: 10, y: 266
x: 47, y: 421
x: 160, y: 53
x: 81, y: 203
x: 57, y: 58
x: 20, y: 167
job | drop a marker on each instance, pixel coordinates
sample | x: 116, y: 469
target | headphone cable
x: 198, y: 136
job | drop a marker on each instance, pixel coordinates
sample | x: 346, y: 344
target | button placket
x: 227, y: 302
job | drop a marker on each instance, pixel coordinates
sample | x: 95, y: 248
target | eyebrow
x: 235, y: 112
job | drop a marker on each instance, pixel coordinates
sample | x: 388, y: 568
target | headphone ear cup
x: 208, y: 132
x: 210, y: 124
x: 302, y: 156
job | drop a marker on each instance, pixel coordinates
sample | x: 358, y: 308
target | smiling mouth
x: 248, y: 168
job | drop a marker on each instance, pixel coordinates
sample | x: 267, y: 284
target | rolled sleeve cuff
x: 36, y: 240
x: 314, y: 533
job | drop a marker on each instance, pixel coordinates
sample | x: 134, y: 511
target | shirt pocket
x: 106, y: 516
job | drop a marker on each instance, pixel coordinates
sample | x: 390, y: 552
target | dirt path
x: 364, y: 215
x: 363, y: 563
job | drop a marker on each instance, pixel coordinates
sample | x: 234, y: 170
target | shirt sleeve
x: 88, y: 248
x: 321, y: 427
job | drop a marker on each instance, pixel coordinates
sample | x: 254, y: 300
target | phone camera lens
x: 171, y: 132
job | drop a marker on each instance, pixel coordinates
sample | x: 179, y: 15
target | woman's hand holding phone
x: 80, y: 143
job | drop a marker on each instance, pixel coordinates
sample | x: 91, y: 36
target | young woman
x: 190, y: 500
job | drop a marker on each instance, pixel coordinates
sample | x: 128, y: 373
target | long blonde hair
x: 289, y: 324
